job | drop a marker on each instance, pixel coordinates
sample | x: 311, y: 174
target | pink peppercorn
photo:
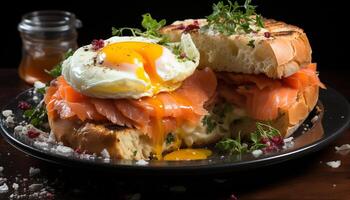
x: 23, y: 105
x: 33, y: 134
x: 97, y: 44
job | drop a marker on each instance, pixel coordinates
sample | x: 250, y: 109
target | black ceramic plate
x: 334, y: 119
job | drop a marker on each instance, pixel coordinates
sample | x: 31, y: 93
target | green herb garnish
x: 251, y: 43
x: 41, y: 90
x: 232, y: 146
x: 234, y: 18
x: 37, y: 116
x: 170, y: 138
x: 151, y: 27
x: 56, y: 71
x: 210, y: 122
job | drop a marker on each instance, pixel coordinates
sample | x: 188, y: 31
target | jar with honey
x: 46, y: 37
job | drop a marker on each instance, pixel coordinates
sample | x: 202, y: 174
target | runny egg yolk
x: 139, y: 57
x: 188, y: 154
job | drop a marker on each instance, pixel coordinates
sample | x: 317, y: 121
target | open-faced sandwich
x: 189, y: 84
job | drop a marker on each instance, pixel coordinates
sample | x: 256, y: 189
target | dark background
x: 324, y: 22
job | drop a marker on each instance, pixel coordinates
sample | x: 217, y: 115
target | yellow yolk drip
x: 141, y: 54
x: 188, y: 154
x: 157, y: 126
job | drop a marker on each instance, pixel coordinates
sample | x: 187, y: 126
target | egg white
x: 90, y: 78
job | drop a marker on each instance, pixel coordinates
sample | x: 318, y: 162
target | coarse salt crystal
x: 38, y: 85
x: 35, y: 98
x: 41, y: 145
x: 257, y: 153
x: 4, y: 188
x: 343, y: 147
x: 33, y: 171
x: 314, y: 119
x: 141, y: 162
x: 286, y: 140
x: 334, y: 164
x: 64, y: 150
x: 18, y: 129
x: 7, y: 113
x: 10, y: 120
x: 105, y: 153
x: 15, y: 186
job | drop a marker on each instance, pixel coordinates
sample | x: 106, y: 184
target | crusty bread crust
x: 280, y: 49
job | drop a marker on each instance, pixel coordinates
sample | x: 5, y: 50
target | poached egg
x: 130, y: 67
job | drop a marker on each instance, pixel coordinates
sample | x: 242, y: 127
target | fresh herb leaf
x: 36, y: 116
x: 56, y: 71
x: 151, y: 27
x: 232, y: 146
x: 251, y: 43
x: 262, y: 131
x: 210, y: 122
x: 170, y: 138
x: 41, y: 90
x: 231, y: 18
x: 134, y: 153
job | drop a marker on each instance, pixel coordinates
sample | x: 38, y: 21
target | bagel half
x: 280, y: 49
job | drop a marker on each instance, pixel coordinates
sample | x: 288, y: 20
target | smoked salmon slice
x: 184, y: 105
x: 263, y: 97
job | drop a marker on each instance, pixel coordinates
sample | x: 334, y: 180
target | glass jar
x: 46, y: 36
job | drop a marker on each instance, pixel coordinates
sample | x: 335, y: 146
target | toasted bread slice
x: 123, y: 142
x: 279, y: 49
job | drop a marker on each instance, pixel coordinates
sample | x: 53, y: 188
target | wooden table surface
x: 305, y: 178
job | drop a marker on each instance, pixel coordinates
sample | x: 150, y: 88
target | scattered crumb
x: 34, y: 171
x: 64, y: 150
x: 343, y: 147
x: 334, y: 185
x: 36, y: 99
x: 288, y: 143
x: 141, y: 162
x: 7, y: 113
x: 286, y: 140
x: 342, y: 117
x: 10, y: 120
x: 1, y: 169
x: 105, y: 153
x: 4, y: 188
x: 15, y: 186
x: 334, y: 164
x: 257, y: 153
x: 314, y: 119
x: 38, y: 85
